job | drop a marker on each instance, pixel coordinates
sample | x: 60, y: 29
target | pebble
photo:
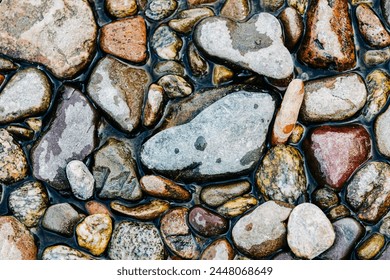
x: 164, y: 188
x: 357, y: 2
x: 70, y: 136
x: 61, y: 218
x: 200, y: 2
x: 49, y: 34
x: 236, y: 9
x: 256, y: 44
x: 20, y: 132
x: 199, y: 66
x: 2, y: 78
x: 34, y: 123
x: 338, y: 212
x: 333, y: 153
x: 143, y: 212
x: 299, y: 5
x: 220, y: 249
x: 177, y: 235
x: 169, y: 67
x: 16, y: 241
x: 385, y: 226
x: 28, y: 203
x: 175, y: 86
x: 385, y: 254
x: 7, y: 65
x: 206, y: 222
x: 160, y: 9
x: 296, y: 134
x: 385, y: 5
x: 370, y: 247
x: 13, y: 163
x: 80, y: 179
x: 287, y: 115
x: 216, y: 195
x: 310, y: 233
x: 271, y: 5
x: 237, y: 206
x: 115, y: 171
x: 119, y: 89
x: 166, y: 43
x: 121, y: 8
x: 371, y: 27
x: 284, y: 256
x: 94, y: 207
x: 293, y: 27
x: 187, y: 19
x: 263, y: 231
x: 27, y: 94
x: 94, y: 233
x: 369, y: 191
x: 136, y: 241
x: 62, y: 252
x: 225, y: 138
x: 325, y: 198
x: 375, y: 57
x: 154, y: 105
x: 381, y: 130
x: 328, y: 43
x: 221, y: 74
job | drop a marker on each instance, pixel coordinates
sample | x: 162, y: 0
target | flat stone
x: 328, y: 42
x: 376, y: 57
x: 299, y: 5
x: 61, y: 218
x: 166, y: 43
x: 271, y: 5
x: 169, y: 67
x: 220, y: 249
x: 325, y: 198
x: 154, y: 105
x: 263, y: 231
x: 7, y: 65
x: 381, y: 129
x: 221, y: 74
x: 62, y: 253
x: 136, y: 241
x: 236, y: 9
x: 255, y: 45
x: 385, y: 254
x: 206, y: 222
x: 143, y: 212
x: 70, y: 136
x: 199, y: 66
x: 369, y: 191
x: 164, y: 188
x: 200, y: 2
x: 310, y: 233
x: 119, y: 89
x: 385, y: 5
x: 338, y: 212
x: 20, y: 132
x: 94, y: 207
x: 80, y: 179
x: 370, y: 247
x: 293, y: 27
x: 175, y: 86
x: 333, y: 153
x: 122, y: 8
x: 115, y: 171
x: 237, y: 206
x: 160, y: 9
x: 13, y: 164
x: 216, y: 195
x: 28, y: 203
x: 187, y: 19
x: 210, y: 145
x: 49, y: 34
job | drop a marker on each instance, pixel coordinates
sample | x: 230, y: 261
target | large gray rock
x: 71, y: 135
x: 48, y: 32
x: 226, y: 138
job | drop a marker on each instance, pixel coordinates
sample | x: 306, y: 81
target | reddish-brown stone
x: 1, y: 79
x: 206, y: 222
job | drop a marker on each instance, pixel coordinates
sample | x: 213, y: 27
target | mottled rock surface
x: 121, y: 8
x: 386, y: 10
x: 164, y: 188
x: 237, y: 206
x: 61, y: 218
x: 375, y: 57
x: 166, y: 43
x: 300, y: 5
x: 7, y: 65
x: 80, y: 179
x: 169, y: 67
x: 293, y: 27
x: 187, y: 19
x: 160, y: 9
x: 206, y: 222
x: 370, y: 247
x: 143, y: 212
x: 220, y: 249
x: 216, y: 195
x: 199, y: 66
x: 382, y: 130
x: 62, y: 252
x: 175, y: 86
x: 338, y: 212
x: 154, y: 105
x: 386, y: 253
x: 325, y: 198
x: 236, y: 9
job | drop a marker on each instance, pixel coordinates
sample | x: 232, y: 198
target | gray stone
x: 7, y: 65
x: 61, y: 218
x: 160, y: 9
x: 199, y: 66
x: 216, y: 195
x: 136, y: 241
x: 175, y: 86
x: 284, y: 256
x: 119, y: 89
x: 166, y: 43
x: 62, y: 253
x: 71, y: 135
x: 385, y: 226
x: 226, y: 138
x: 375, y: 57
x: 187, y: 19
x: 169, y: 67
x: 386, y: 253
x: 271, y: 5
x: 382, y: 130
x: 48, y: 32
x: 256, y: 45
x: 310, y: 233
x: 385, y: 4
x: 80, y: 179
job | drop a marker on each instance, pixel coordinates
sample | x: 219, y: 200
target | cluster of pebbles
x: 194, y: 129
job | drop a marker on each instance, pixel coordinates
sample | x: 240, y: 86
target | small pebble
x: 62, y: 253
x: 166, y: 43
x: 300, y: 5
x: 154, y: 105
x: 385, y: 226
x: 80, y: 179
x: 121, y: 8
x: 34, y: 123
x: 199, y: 66
x: 375, y: 57
x: 20, y: 132
x: 207, y: 223
x: 338, y: 212
x: 160, y: 9
x: 163, y: 188
x: 220, y: 249
x: 293, y: 27
x: 296, y: 134
x: 237, y: 206
x: 200, y: 2
x: 216, y: 195
x: 94, y: 207
x: 271, y: 5
x: 187, y: 19
x: 370, y: 247
x: 169, y: 67
x: 325, y: 198
x: 175, y: 86
x: 221, y: 74
x: 236, y: 9
x: 7, y: 65
x: 143, y: 212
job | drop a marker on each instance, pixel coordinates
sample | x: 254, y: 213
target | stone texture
x: 375, y: 57
x: 328, y: 41
x: 333, y: 153
x: 386, y: 10
x: 237, y: 206
x: 20, y: 132
x: 154, y: 105
x: 299, y: 5
x: 296, y: 134
x: 263, y: 231
x: 216, y: 195
x: 34, y: 123
x: 284, y: 256
x: 70, y: 136
x: 338, y: 212
x: 271, y: 5
x: 160, y: 9
x: 187, y: 19
x: 166, y: 43
x: 62, y: 252
x: 220, y: 249
x: 169, y: 67
x: 164, y: 188
x: 144, y: 212
x: 49, y: 33
x: 385, y: 254
x: 238, y: 44
x: 7, y: 65
x: 221, y: 74
x: 370, y: 247
x: 115, y: 171
x: 325, y: 198
x: 293, y: 27
x: 199, y: 66
x: 2, y: 78
x: 385, y: 226
x: 61, y: 218
x: 121, y: 8
x: 200, y: 2
x: 175, y: 86
x: 236, y: 9
x: 80, y: 179
x: 206, y: 222
x: 309, y: 231
x: 94, y: 207
x: 381, y: 129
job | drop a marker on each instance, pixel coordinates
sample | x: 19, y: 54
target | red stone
x: 207, y: 223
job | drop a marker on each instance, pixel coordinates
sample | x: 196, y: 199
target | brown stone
x: 199, y: 66
x: 237, y: 206
x: 371, y: 247
x: 121, y: 8
x: 200, y: 2
x: 296, y: 134
x: 163, y: 188
x: 293, y: 27
x: 207, y: 223
x: 220, y: 249
x: 20, y: 132
x: 325, y: 198
x: 338, y: 212
x: 271, y: 5
x: 221, y: 74
x: 143, y: 212
x: 154, y: 105
x: 187, y: 19
x: 94, y: 207
x: 2, y: 78
x: 300, y: 5
x: 236, y: 9
x: 216, y: 195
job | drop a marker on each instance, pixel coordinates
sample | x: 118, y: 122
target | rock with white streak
x: 220, y: 249
x: 62, y: 252
x: 80, y: 179
x: 154, y: 105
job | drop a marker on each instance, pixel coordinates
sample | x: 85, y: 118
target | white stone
x: 80, y: 179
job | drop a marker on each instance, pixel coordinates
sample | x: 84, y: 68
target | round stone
x: 207, y: 223
x: 220, y: 249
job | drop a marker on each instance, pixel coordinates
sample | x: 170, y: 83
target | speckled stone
x: 20, y: 132
x: 237, y: 206
x: 385, y: 5
x: 325, y: 198
x: 293, y: 27
x: 296, y: 134
x: 216, y: 195
x: 200, y: 2
x: 338, y: 212
x: 166, y: 43
x: 299, y: 5
x: 7, y: 65
x: 175, y: 86
x: 284, y: 256
x: 382, y: 130
x: 385, y: 226
x: 271, y: 5
x: 199, y: 66
x: 160, y: 9
x: 206, y: 222
x: 187, y: 19
x: 34, y: 123
x: 370, y: 247
x: 121, y: 8
x: 154, y: 105
x: 385, y: 254
x: 220, y: 249
x: 62, y: 252
x: 164, y: 188
x: 169, y: 67
x: 236, y: 9
x: 143, y: 212
x: 80, y: 179
x: 375, y: 57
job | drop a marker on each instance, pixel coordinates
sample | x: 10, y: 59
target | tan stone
x: 122, y: 8
x: 371, y: 247
x: 221, y: 74
x: 237, y: 206
x: 94, y: 207
x: 236, y: 9
x: 144, y: 212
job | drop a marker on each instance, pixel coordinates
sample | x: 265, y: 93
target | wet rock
x: 271, y: 5
x: 20, y: 132
x: 166, y: 43
x: 385, y: 226
x: 119, y: 89
x: 255, y: 45
x: 70, y: 136
x: 348, y: 233
x: 187, y: 19
x: 169, y: 67
x: 62, y: 252
x: 281, y: 174
x: 299, y: 5
x: 199, y: 66
x: 333, y: 153
x: 338, y: 212
x: 115, y: 171
x: 200, y: 2
x: 160, y: 9
x: 371, y: 27
x: 7, y: 65
x: 218, y: 250
x: 216, y: 195
x: 94, y: 233
x: 210, y: 144
x: 177, y: 235
x: 16, y: 241
x: 386, y: 10
x: 154, y: 105
x: 325, y: 198
x: 121, y: 8
x: 80, y: 179
x: 237, y: 206
x: 61, y: 218
x: 375, y: 57
x: 28, y: 203
x: 13, y: 163
x: 34, y: 123
x: 207, y: 223
x: 236, y: 9
x: 293, y: 27
x: 144, y: 212
x: 263, y: 231
x: 94, y: 207
x: 125, y: 39
x: 309, y: 231
x: 27, y: 94
x: 49, y: 34
x: 370, y: 247
x: 221, y: 74
x: 369, y: 191
x: 175, y: 86
x: 381, y: 129
x: 385, y: 254
x: 136, y: 241
x: 2, y: 78
x: 357, y: 2
x: 328, y: 41
x: 163, y: 188
x: 296, y: 134
x: 284, y: 256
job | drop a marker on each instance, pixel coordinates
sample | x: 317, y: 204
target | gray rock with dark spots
x: 175, y: 86
x: 80, y: 179
x: 61, y: 218
x: 216, y: 195
x: 169, y: 67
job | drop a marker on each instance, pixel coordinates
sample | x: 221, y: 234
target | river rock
x: 62, y: 252
x: 385, y: 226
x: 187, y: 19
x: 164, y: 188
x: 200, y: 2
x: 256, y: 45
x: 175, y: 86
x: 7, y: 65
x: 296, y: 134
x: 381, y: 129
x: 237, y: 206
x: 285, y: 256
x: 154, y: 105
x: 144, y: 212
x: 236, y: 9
x: 121, y: 8
x: 263, y: 231
x: 220, y: 249
x: 293, y: 27
x: 61, y: 218
x: 385, y: 254
x: 160, y: 9
x: 199, y: 66
x: 169, y: 67
x: 49, y: 33
x: 20, y: 132
x: 325, y: 198
x: 232, y: 128
x: 80, y: 179
x: 34, y: 123
x: 70, y: 136
x: 370, y: 247
x: 375, y: 57
x: 2, y: 78
x: 386, y: 10
x: 299, y: 5
x: 216, y: 195
x: 94, y: 207
x: 329, y: 40
x: 271, y: 5
x: 333, y: 153
x: 221, y: 74
x: 207, y: 223
x: 166, y: 43
x: 338, y: 212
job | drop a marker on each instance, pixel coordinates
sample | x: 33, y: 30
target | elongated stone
x: 187, y: 19
x: 144, y: 212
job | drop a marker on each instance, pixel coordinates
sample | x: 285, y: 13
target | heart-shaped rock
x: 256, y: 45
